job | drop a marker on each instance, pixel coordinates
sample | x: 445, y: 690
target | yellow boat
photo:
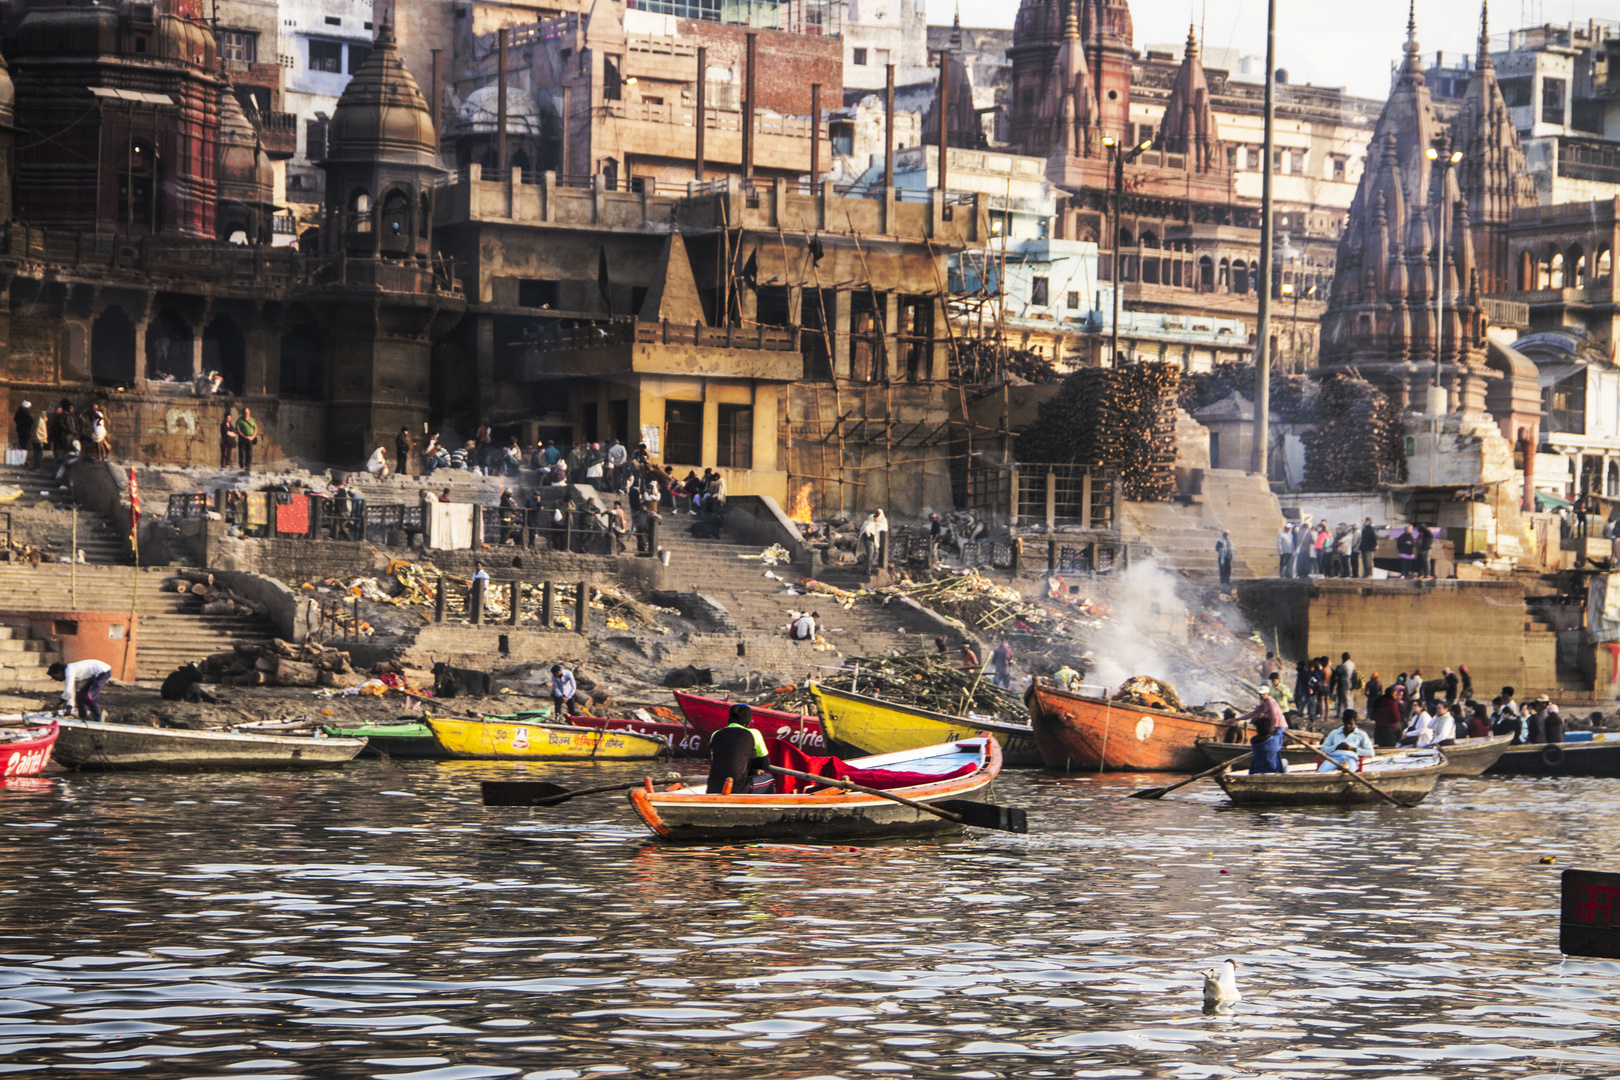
x: 508, y: 740
x: 861, y: 725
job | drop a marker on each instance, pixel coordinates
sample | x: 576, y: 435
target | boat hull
x: 508, y: 740
x: 709, y: 715
x: 413, y: 741
x: 86, y: 744
x: 30, y: 753
x: 857, y: 724
x: 1073, y: 732
x: 1312, y: 788
x: 1559, y: 759
x: 1465, y: 757
x: 688, y: 815
x: 684, y: 742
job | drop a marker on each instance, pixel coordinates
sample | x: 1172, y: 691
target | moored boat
x: 27, y: 750
x: 1219, y: 751
x: 926, y: 774
x: 412, y: 739
x: 1408, y: 777
x: 1599, y: 757
x: 512, y: 740
x: 683, y: 741
x: 857, y: 724
x: 710, y: 714
x: 1076, y: 732
x: 89, y: 744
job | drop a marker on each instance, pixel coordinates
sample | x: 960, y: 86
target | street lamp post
x: 1119, y: 183
x: 1446, y: 162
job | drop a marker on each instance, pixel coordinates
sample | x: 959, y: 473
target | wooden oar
x: 961, y: 811
x: 541, y: 793
x: 1161, y: 792
x: 1348, y: 771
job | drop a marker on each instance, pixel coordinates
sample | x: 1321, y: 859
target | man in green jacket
x: 247, y: 433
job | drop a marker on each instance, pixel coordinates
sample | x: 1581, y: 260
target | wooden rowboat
x: 28, y: 749
x: 509, y: 740
x: 857, y: 724
x: 1465, y: 757
x: 1219, y: 752
x: 1600, y: 757
x: 683, y: 741
x: 406, y: 740
x: 710, y: 714
x: 1408, y: 777
x: 688, y: 814
x: 87, y: 744
x: 1076, y: 732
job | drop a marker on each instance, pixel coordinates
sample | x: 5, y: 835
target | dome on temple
x: 382, y: 115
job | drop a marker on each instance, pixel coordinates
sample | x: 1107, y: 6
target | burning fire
x: 799, y: 511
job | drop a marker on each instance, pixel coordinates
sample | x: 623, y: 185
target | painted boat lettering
x: 802, y: 737
x: 520, y: 739
x: 28, y: 762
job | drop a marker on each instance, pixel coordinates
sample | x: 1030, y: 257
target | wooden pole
x: 944, y: 118
x: 582, y: 606
x: 500, y: 104
x: 1262, y: 337
x: 701, y: 113
x: 548, y: 604
x: 888, y: 128
x: 815, y: 136
x: 749, y: 82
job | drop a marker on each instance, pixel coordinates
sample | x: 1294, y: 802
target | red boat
x: 710, y: 714
x: 1075, y: 732
x: 29, y: 750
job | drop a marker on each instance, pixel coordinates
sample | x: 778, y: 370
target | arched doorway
x: 168, y: 348
x: 303, y: 364
x: 224, y: 351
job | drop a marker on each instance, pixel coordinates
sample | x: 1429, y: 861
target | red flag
x: 134, y: 501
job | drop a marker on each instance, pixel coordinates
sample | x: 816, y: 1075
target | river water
x: 378, y: 922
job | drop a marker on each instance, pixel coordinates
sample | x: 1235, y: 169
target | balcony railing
x: 664, y: 332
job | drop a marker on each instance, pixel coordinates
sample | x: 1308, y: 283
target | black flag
x: 816, y: 250
x: 602, y: 279
x: 750, y: 270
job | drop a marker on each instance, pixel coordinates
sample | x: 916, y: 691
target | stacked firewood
x: 1121, y: 419
x: 216, y: 599
x: 1357, y: 442
x: 280, y: 663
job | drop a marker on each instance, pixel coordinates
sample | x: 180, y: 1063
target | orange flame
x: 800, y: 509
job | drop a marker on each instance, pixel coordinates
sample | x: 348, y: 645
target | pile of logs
x: 279, y: 663
x: 1121, y: 419
x: 1356, y: 444
x: 216, y: 599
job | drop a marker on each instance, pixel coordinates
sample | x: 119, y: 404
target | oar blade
x: 520, y: 792
x: 1150, y: 793
x: 986, y: 815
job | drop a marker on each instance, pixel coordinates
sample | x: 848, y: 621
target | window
x: 1276, y: 161
x: 1074, y: 300
x: 333, y: 20
x: 536, y: 293
x: 239, y: 45
x: 1552, y: 101
x: 326, y: 56
x: 916, y: 336
x: 357, y: 56
x: 1254, y: 159
x: 1515, y: 92
x: 860, y: 57
x: 1038, y: 291
x: 1296, y: 162
x: 1340, y: 163
x: 772, y: 306
x: 610, y: 78
x: 683, y: 432
x: 735, y: 449
x: 315, y: 140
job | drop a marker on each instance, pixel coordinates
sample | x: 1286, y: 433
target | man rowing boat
x: 736, y: 753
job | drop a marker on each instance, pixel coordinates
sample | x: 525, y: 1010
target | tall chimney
x: 748, y: 107
x: 702, y: 112
x: 500, y: 104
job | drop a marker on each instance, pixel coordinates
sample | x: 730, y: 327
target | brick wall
x: 788, y: 63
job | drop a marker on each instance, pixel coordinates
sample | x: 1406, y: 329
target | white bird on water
x: 1220, y: 985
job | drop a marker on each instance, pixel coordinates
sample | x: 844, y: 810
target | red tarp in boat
x: 784, y: 755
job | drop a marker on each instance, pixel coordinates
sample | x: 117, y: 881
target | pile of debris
x: 921, y: 680
x: 280, y: 663
x: 1121, y: 419
x: 216, y: 599
x: 1151, y: 692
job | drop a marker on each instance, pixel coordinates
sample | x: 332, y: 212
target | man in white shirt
x: 803, y: 628
x: 1445, y: 727
x: 1345, y: 744
x: 82, y: 681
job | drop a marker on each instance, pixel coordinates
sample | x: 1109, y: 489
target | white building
x: 881, y: 32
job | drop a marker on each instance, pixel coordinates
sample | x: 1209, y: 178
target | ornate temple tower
x: 1106, y: 27
x: 1189, y: 124
x: 1037, y: 36
x: 1056, y: 43
x: 1068, y: 113
x: 246, y: 180
x: 1495, y: 180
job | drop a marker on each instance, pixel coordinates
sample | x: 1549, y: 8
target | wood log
x: 199, y: 576
x: 293, y: 673
x: 219, y: 607
x: 268, y: 664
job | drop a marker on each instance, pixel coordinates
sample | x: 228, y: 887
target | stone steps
x: 41, y: 512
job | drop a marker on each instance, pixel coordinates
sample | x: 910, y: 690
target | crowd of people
x: 1344, y: 550
x: 69, y: 432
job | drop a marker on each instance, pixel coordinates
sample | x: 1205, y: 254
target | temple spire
x: 956, y: 30
x: 1192, y: 43
x: 1071, y: 20
x: 1484, y: 59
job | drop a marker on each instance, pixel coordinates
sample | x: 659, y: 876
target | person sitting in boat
x: 1346, y: 744
x: 1268, y: 744
x: 82, y: 681
x: 736, y: 753
x: 1533, y: 723
x: 1445, y: 727
x: 1420, y: 732
x: 1552, y: 726
x: 1268, y: 709
x: 1386, y: 714
x: 1479, y: 724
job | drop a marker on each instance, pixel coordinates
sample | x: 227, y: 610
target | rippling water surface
x: 379, y: 922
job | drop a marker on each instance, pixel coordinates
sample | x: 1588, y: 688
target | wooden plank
x: 1589, y: 914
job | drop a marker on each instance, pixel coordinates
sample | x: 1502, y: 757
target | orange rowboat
x: 1091, y: 734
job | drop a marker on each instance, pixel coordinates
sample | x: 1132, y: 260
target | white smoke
x: 1147, y: 619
